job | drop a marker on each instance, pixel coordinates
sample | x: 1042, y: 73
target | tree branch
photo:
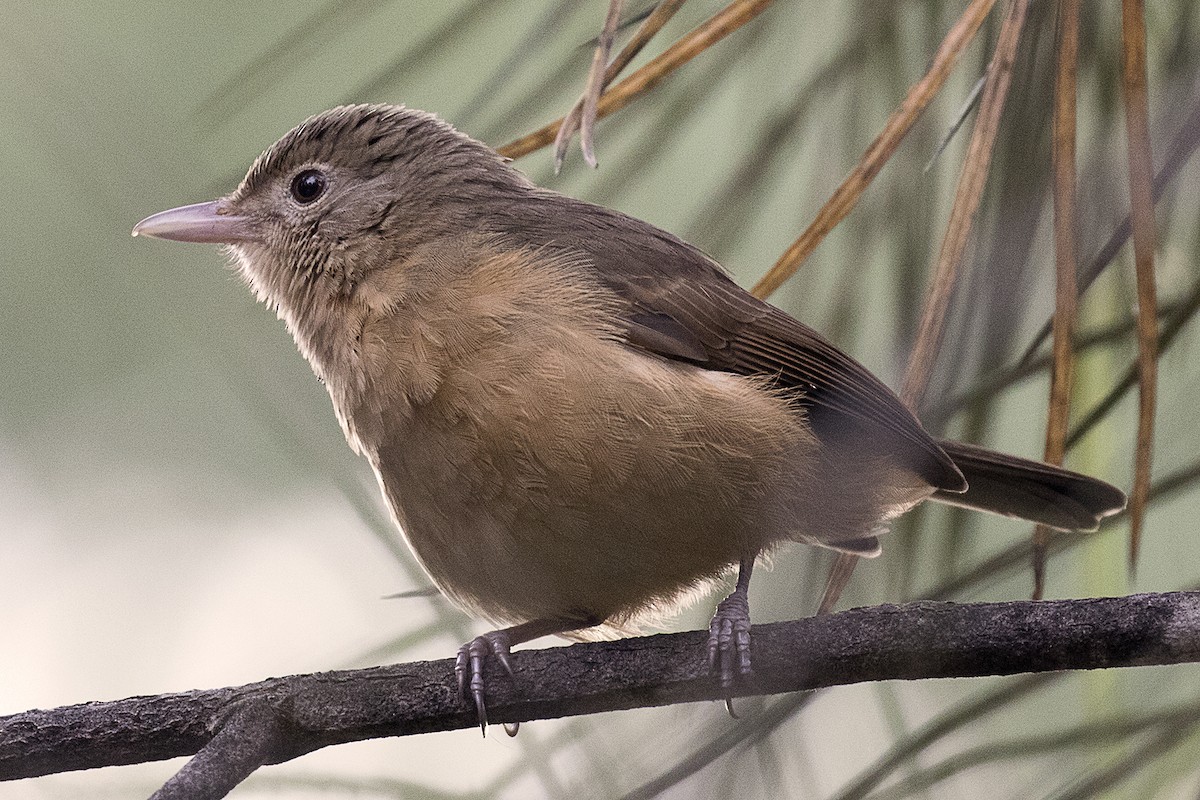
x: 235, y: 730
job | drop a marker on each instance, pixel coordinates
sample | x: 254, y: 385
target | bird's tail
x: 1029, y: 490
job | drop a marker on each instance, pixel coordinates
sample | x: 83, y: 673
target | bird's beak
x: 202, y: 222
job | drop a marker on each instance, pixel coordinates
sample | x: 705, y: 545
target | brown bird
x: 577, y: 419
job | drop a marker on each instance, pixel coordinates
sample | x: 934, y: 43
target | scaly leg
x: 468, y: 667
x: 729, y: 632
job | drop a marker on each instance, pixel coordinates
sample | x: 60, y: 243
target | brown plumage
x: 576, y: 418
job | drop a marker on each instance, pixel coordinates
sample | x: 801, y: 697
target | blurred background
x: 179, y: 510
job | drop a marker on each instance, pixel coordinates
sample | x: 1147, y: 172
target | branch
x: 1141, y: 195
x: 967, y: 197
x: 850, y: 191
x: 235, y: 730
x: 692, y: 44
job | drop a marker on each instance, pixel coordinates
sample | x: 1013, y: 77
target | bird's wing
x: 681, y: 305
x: 715, y: 323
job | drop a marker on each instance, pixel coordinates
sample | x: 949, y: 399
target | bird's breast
x: 590, y: 480
x: 541, y: 467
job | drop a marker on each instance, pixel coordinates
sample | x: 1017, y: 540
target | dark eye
x: 308, y: 185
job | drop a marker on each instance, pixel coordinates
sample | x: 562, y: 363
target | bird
x: 578, y: 421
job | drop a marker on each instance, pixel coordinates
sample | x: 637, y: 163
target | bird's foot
x: 729, y: 640
x: 468, y: 667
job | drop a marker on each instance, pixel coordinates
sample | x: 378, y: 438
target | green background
x: 178, y: 509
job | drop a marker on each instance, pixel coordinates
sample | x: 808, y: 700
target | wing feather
x: 680, y: 305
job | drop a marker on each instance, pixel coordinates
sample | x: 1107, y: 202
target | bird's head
x: 344, y: 195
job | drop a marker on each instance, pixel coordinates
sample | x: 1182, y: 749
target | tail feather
x: 1029, y: 490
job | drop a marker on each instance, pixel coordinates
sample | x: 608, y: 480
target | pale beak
x: 201, y: 222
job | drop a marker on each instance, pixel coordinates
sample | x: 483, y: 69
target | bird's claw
x: 729, y: 642
x: 469, y: 666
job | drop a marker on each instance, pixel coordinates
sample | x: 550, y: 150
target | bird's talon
x: 469, y: 667
x: 505, y: 662
x: 729, y: 642
x: 481, y: 710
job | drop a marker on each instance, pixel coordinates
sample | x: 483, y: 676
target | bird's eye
x: 308, y: 185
